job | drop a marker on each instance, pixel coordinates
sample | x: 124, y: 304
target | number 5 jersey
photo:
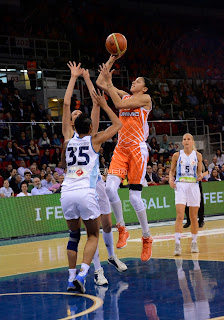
x: 82, y: 164
x: 187, y: 167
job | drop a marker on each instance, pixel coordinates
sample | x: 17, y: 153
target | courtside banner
x: 43, y: 214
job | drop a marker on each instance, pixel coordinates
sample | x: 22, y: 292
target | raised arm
x: 135, y: 102
x: 101, y: 81
x: 103, y: 136
x: 76, y: 71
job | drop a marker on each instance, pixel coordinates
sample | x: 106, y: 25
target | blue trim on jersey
x: 195, y: 167
x: 94, y: 174
x: 179, y: 167
x: 74, y: 135
x: 92, y: 146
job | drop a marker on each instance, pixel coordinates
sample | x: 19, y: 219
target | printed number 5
x: 187, y: 169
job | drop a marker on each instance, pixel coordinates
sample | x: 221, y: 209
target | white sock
x: 96, y: 260
x: 142, y: 218
x: 177, y: 237
x: 118, y: 212
x: 194, y: 237
x: 196, y: 265
x: 108, y: 240
x: 72, y: 274
x: 181, y: 274
x: 84, y: 269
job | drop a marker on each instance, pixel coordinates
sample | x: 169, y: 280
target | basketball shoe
x: 99, y: 277
x: 79, y: 283
x: 119, y: 265
x: 146, y: 248
x: 194, y: 247
x: 123, y: 236
x: 177, y: 250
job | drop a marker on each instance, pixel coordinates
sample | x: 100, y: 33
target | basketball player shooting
x: 130, y: 155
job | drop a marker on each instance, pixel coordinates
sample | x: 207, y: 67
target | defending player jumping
x: 130, y: 155
x: 188, y: 166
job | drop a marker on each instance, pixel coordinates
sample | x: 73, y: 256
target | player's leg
x: 117, y: 172
x: 188, y: 223
x: 193, y: 201
x: 201, y: 210
x: 136, y: 174
x: 106, y: 223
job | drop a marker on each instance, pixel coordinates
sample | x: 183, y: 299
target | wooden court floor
x: 19, y: 258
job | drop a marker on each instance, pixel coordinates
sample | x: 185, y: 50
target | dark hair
x: 24, y: 182
x: 82, y: 124
x: 147, y: 84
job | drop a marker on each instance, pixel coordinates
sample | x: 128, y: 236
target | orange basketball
x: 116, y: 44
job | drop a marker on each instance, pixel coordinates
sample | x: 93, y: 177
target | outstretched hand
x: 85, y: 74
x: 76, y: 71
x: 106, y: 74
x: 100, y: 99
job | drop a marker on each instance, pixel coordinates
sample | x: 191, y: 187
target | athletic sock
x: 196, y: 265
x: 194, y: 237
x: 72, y: 274
x: 177, y: 237
x: 84, y: 269
x: 118, y: 212
x: 108, y: 240
x: 96, y: 260
x: 142, y: 218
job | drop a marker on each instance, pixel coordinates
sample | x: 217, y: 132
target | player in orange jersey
x: 130, y: 155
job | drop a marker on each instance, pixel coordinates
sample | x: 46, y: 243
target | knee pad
x: 112, y: 186
x: 136, y: 200
x: 73, y: 242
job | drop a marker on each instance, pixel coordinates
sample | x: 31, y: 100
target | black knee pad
x: 137, y: 187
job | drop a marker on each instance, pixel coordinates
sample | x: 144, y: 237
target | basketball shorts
x: 130, y: 161
x: 104, y: 202
x: 80, y: 203
x: 188, y: 194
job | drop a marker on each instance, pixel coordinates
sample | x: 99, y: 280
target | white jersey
x: 187, y: 167
x: 82, y: 164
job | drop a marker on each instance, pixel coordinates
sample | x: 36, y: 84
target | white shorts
x: 104, y: 202
x: 80, y: 203
x: 188, y: 194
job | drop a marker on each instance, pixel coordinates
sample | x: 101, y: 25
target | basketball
x: 116, y: 44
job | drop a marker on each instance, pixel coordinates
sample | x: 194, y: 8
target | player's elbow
x: 119, y: 105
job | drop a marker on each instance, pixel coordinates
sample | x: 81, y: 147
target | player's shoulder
x: 176, y: 155
x: 199, y: 155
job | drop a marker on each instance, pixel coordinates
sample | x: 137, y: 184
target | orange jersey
x: 135, y: 127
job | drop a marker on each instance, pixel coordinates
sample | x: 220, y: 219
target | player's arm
x: 103, y: 136
x: 134, y: 102
x: 63, y: 160
x: 101, y: 81
x: 173, y: 169
x: 95, y: 114
x: 76, y: 71
x: 199, y: 171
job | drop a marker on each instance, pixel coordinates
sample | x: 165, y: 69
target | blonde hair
x: 194, y: 147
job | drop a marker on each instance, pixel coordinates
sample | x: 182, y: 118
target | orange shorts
x: 130, y: 161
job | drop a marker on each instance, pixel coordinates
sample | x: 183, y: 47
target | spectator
x: 42, y: 175
x: 24, y: 190
x: 22, y: 168
x: 161, y: 160
x: 166, y: 147
x: 56, y: 142
x: 57, y: 186
x: 28, y: 180
x: 3, y: 127
x: 59, y: 168
x: 15, y: 183
x: 33, y: 151
x: 38, y: 189
x: 23, y: 140
x: 3, y: 155
x: 48, y: 170
x: 165, y: 179
x: 220, y: 157
x: 160, y: 175
x: 13, y: 172
x: 154, y: 145
x: 48, y: 181
x: 56, y: 176
x: 214, y: 176
x: 6, y: 191
x: 1, y: 181
x: 20, y: 113
x: 7, y: 171
x: 193, y: 99
x: 158, y: 113
x: 151, y: 177
x: 11, y: 152
x: 41, y: 114
x: 21, y: 153
x: 214, y: 163
x: 34, y: 170
x: 44, y: 142
x: 45, y: 159
x: 102, y: 164
x: 222, y: 172
x: 154, y: 167
x: 56, y: 158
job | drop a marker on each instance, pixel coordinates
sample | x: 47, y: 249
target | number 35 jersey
x: 82, y: 164
x: 187, y: 167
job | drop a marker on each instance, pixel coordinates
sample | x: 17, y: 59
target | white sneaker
x: 119, y: 265
x: 99, y: 277
x: 177, y: 250
x: 194, y: 247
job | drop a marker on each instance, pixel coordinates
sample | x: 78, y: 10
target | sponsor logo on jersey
x: 129, y: 114
x: 76, y: 172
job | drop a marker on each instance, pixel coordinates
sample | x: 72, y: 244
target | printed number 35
x: 73, y: 154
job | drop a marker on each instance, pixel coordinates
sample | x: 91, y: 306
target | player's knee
x: 136, y: 200
x: 73, y: 242
x: 107, y: 227
x: 112, y: 186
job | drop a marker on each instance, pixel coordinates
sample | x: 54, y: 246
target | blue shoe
x: 70, y: 286
x: 79, y: 283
